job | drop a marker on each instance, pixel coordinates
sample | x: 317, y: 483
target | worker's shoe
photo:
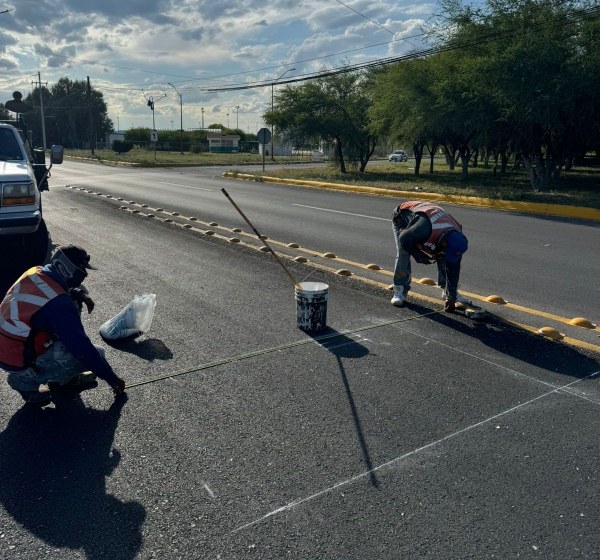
x: 459, y: 298
x: 36, y: 399
x: 81, y: 382
x: 398, y: 298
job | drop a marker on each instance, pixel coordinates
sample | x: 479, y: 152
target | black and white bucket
x: 311, y: 306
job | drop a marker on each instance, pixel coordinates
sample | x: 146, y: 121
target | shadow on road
x: 518, y: 344
x: 53, y: 468
x: 342, y: 346
x: 148, y: 349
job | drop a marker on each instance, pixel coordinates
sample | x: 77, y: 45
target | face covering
x: 72, y: 275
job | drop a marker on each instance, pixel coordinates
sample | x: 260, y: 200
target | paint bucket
x: 311, y: 306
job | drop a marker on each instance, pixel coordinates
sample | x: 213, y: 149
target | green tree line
x: 512, y: 80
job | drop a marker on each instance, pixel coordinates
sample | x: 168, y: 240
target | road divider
x: 367, y: 273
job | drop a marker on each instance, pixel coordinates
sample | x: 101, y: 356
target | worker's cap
x: 77, y: 255
x: 457, y: 245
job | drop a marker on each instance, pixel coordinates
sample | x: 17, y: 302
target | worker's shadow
x: 146, y: 348
x: 342, y: 346
x: 53, y: 469
x: 521, y: 345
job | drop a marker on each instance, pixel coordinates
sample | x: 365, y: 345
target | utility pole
x: 237, y: 116
x: 89, y: 98
x: 202, y: 110
x: 181, y: 117
x: 150, y: 101
x: 42, y: 112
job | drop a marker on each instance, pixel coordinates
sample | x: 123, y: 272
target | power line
x: 413, y: 55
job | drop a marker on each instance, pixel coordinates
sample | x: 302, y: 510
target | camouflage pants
x: 57, y: 364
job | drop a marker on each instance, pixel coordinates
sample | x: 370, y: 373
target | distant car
x: 398, y: 155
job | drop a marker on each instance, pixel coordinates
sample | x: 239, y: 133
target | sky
x: 175, y: 51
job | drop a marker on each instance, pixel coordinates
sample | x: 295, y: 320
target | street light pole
x: 237, y: 116
x: 202, y: 109
x: 272, y: 98
x: 227, y: 120
x: 181, y: 116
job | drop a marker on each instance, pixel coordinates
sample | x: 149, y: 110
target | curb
x: 557, y: 210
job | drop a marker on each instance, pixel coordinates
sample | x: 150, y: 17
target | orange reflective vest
x: 442, y: 223
x: 20, y: 343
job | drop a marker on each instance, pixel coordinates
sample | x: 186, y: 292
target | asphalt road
x: 401, y: 433
x: 539, y: 262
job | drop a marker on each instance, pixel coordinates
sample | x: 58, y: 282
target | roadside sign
x: 264, y: 135
x: 154, y: 136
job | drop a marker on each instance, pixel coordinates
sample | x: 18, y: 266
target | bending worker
x: 42, y: 339
x: 427, y: 233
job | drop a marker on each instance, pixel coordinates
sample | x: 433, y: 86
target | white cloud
x: 130, y: 46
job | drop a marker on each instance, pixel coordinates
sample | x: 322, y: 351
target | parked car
x: 398, y: 155
x: 23, y: 175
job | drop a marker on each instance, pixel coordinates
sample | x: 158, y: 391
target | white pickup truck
x: 24, y: 239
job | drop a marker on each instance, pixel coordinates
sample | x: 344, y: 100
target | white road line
x: 340, y: 212
x: 409, y: 454
x: 210, y: 492
x: 185, y: 186
x: 514, y: 372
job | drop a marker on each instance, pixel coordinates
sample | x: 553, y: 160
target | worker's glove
x: 81, y: 296
x: 449, y: 306
x: 118, y: 388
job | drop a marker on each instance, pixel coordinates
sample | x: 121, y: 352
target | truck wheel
x: 38, y: 246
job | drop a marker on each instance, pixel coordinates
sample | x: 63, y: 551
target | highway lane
x: 540, y: 262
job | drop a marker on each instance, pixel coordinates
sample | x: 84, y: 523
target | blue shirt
x: 61, y: 318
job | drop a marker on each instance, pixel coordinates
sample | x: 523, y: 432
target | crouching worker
x: 428, y: 234
x: 42, y: 339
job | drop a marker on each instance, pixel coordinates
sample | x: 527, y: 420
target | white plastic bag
x: 135, y: 318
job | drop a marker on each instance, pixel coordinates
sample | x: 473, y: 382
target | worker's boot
x: 459, y: 298
x: 81, y: 382
x: 38, y: 398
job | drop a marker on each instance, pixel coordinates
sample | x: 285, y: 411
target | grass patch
x: 580, y: 187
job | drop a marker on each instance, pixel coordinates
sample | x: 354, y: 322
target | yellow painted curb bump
x: 136, y: 211
x: 235, y: 229
x: 427, y: 281
x: 301, y: 259
x: 264, y: 249
x: 175, y: 214
x: 582, y: 322
x: 187, y: 226
x: 293, y: 245
x: 150, y: 216
x: 263, y: 237
x: 234, y: 240
x: 390, y: 287
x: 213, y: 224
x: 193, y: 219
x: 496, y: 299
x: 209, y: 232
x: 144, y: 206
x: 343, y: 272
x: 122, y: 207
x: 549, y: 332
x: 159, y: 210
x: 373, y: 266
x: 329, y: 255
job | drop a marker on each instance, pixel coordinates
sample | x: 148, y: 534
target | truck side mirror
x: 56, y: 154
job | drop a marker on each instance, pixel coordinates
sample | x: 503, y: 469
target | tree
x: 331, y: 109
x: 67, y: 109
x: 527, y: 65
